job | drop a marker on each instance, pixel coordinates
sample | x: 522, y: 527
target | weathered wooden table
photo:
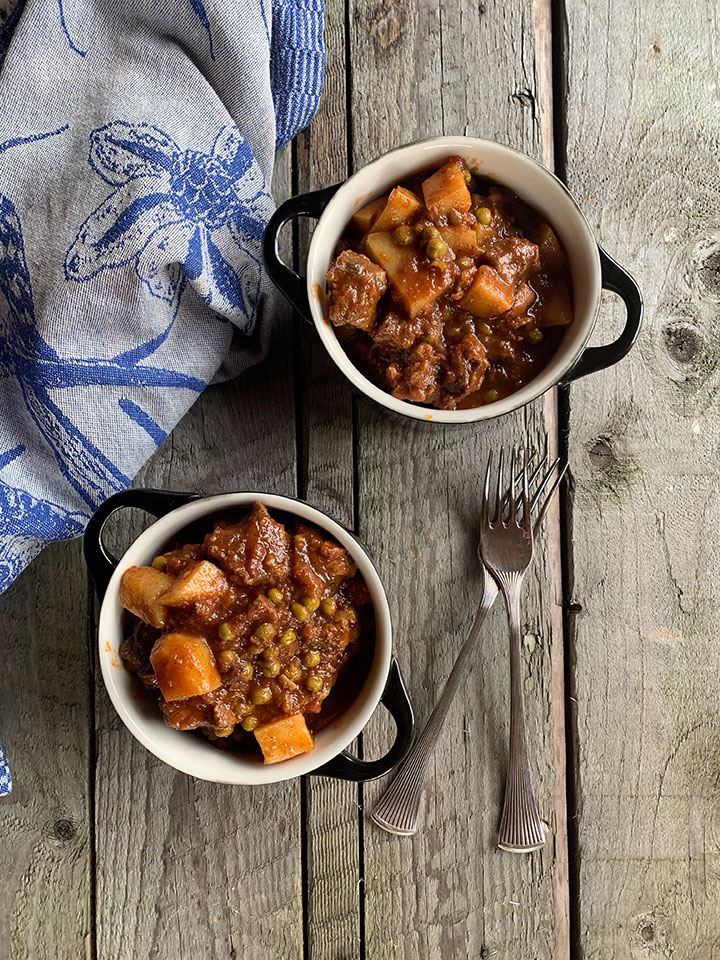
x: 105, y: 852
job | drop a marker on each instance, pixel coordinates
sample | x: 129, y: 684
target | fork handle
x: 521, y: 829
x: 397, y: 809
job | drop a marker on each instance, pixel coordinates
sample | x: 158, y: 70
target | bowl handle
x: 289, y: 283
x: 396, y: 700
x: 101, y: 563
x: 614, y: 278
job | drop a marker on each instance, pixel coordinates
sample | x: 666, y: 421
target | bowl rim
x: 340, y: 735
x: 532, y: 390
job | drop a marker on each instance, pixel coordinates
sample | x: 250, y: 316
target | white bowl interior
x: 188, y: 752
x: 531, y: 181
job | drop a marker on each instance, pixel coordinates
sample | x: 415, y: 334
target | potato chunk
x: 200, y: 582
x: 402, y: 207
x: 416, y: 282
x: 446, y: 189
x: 552, y: 256
x: 489, y: 295
x: 284, y: 738
x: 184, y: 666
x: 461, y: 239
x: 140, y: 589
x: 363, y: 218
x: 556, y: 309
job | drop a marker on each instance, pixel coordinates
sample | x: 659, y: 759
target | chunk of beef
x: 417, y: 380
x: 263, y: 610
x: 396, y: 332
x: 318, y: 563
x: 256, y: 550
x: 514, y: 258
x: 355, y: 284
x: 468, y: 362
x: 178, y: 560
x: 523, y: 299
x: 186, y: 714
x: 135, y: 649
x: 400, y: 333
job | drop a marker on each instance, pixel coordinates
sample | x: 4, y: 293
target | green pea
x: 271, y: 669
x: 269, y: 653
x: 275, y: 595
x: 404, y: 235
x: 226, y: 656
x: 455, y: 217
x: 485, y: 329
x: 312, y: 658
x: 300, y: 612
x: 159, y: 563
x: 484, y: 216
x: 223, y: 731
x: 288, y: 637
x: 436, y: 248
x: 249, y: 723
x: 535, y: 335
x: 312, y: 603
x: 314, y: 683
x: 253, y: 649
x: 346, y: 616
x: 491, y: 396
x: 265, y: 631
x: 465, y: 263
x: 261, y: 695
x: 467, y: 175
x: 225, y: 631
x: 246, y: 671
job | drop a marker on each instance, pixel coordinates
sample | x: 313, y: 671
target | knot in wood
x: 64, y: 830
x: 385, y: 23
x: 705, y: 270
x: 682, y: 342
x: 601, y: 453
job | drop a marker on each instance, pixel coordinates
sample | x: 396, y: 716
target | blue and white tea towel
x: 136, y: 150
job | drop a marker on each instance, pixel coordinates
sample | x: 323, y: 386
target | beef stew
x: 243, y: 636
x: 449, y: 291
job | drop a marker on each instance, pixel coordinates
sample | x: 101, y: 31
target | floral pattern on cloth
x: 40, y: 371
x: 131, y: 272
x: 172, y: 213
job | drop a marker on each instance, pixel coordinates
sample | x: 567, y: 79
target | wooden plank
x: 642, y: 129
x: 334, y: 892
x: 45, y: 724
x: 45, y: 689
x: 187, y: 868
x: 420, y: 70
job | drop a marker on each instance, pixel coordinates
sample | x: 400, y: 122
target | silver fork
x: 398, y: 808
x: 507, y: 546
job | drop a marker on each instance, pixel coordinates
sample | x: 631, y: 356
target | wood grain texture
x: 334, y: 890
x: 45, y: 722
x: 187, y: 868
x: 421, y: 70
x: 643, y: 134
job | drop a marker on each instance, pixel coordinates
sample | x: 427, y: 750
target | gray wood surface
x: 642, y: 154
x: 107, y: 853
x: 333, y: 825
x: 46, y: 728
